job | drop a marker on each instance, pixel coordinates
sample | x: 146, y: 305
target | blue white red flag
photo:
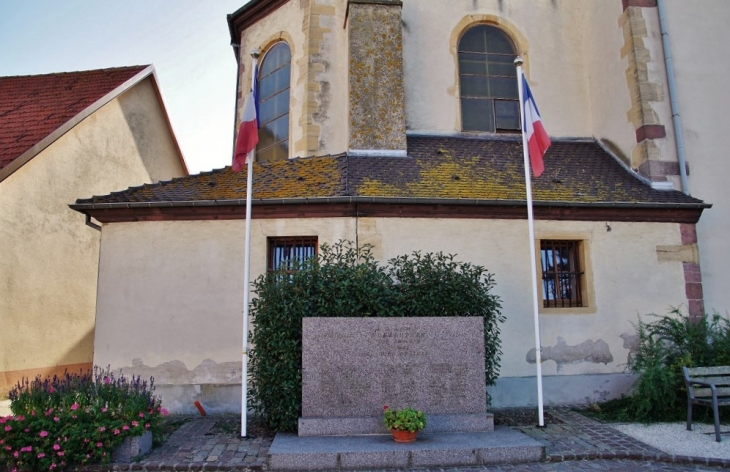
x: 248, y: 132
x: 537, y: 138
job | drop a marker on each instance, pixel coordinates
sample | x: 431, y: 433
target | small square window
x: 282, y: 252
x: 563, y: 274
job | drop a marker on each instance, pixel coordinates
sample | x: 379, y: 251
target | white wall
x: 186, y: 278
x: 699, y: 44
x: 48, y: 270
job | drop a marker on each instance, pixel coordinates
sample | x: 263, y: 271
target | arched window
x: 273, y: 95
x: 488, y: 81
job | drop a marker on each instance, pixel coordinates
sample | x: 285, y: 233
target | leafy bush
x: 346, y: 281
x: 665, y: 346
x: 75, y: 419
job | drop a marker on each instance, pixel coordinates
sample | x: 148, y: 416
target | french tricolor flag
x: 248, y: 132
x: 537, y: 138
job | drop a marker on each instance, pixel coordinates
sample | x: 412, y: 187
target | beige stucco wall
x: 572, y: 51
x: 186, y: 278
x: 48, y: 268
x: 699, y: 45
x: 314, y: 31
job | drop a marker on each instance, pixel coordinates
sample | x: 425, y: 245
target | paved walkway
x: 573, y: 443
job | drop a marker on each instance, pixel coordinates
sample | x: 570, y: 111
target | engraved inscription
x: 354, y: 366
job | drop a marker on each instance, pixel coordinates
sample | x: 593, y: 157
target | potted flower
x: 404, y: 424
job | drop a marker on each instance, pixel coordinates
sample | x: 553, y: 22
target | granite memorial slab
x: 352, y: 367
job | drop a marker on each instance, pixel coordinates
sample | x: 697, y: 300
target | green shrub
x: 665, y: 346
x: 345, y: 281
x: 75, y: 419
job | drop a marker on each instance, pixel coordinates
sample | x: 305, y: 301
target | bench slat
x: 717, y: 381
x: 704, y: 371
x: 704, y: 392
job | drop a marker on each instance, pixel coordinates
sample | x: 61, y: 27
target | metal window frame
x: 277, y: 242
x: 556, y: 282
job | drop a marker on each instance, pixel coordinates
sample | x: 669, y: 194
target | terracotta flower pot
x: 400, y: 436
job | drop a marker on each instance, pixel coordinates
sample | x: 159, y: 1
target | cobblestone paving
x: 573, y: 442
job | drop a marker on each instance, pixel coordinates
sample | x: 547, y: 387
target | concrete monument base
x: 503, y: 445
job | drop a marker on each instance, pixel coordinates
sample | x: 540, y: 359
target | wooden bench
x: 709, y: 386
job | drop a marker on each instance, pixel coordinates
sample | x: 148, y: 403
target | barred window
x: 488, y: 81
x: 562, y: 274
x: 284, y: 251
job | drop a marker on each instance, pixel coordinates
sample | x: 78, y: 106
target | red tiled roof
x: 34, y: 106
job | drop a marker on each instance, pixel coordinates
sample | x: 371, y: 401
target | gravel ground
x: 673, y: 438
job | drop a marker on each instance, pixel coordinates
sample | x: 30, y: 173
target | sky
x: 186, y: 40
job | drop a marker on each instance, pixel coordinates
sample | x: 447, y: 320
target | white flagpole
x: 247, y: 273
x: 531, y: 225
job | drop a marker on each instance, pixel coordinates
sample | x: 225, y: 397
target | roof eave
x: 85, y: 207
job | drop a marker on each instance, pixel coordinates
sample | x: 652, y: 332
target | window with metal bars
x: 488, y: 81
x: 562, y: 273
x: 283, y: 252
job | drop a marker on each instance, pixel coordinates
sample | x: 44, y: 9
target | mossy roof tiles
x: 576, y: 172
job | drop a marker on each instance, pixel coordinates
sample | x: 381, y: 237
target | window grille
x: 283, y: 252
x: 562, y: 274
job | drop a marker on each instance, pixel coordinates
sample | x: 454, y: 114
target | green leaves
x: 665, y: 346
x: 405, y: 419
x: 348, y: 281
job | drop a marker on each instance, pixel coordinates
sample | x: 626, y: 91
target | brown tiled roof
x: 577, y: 172
x: 34, y: 106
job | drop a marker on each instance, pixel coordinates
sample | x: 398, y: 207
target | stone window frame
x: 262, y: 153
x: 275, y: 242
x: 586, y: 282
x: 495, y: 97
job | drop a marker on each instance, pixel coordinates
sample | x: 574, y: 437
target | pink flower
x: 86, y: 440
x: 51, y: 389
x: 41, y: 455
x: 103, y: 410
x: 20, y: 418
x: 135, y: 424
x: 74, y: 407
x: 55, y: 418
x: 164, y: 412
x: 15, y: 454
x: 74, y: 416
x: 141, y: 415
x: 52, y: 466
x: 99, y: 444
x: 26, y: 430
x: 60, y: 453
x: 56, y: 447
x: 43, y: 434
x: 8, y: 448
x: 106, y: 380
x: 147, y: 425
x: 8, y: 428
x: 116, y: 431
x: 102, y: 429
x: 125, y: 428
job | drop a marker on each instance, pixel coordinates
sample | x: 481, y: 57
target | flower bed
x: 76, y: 419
